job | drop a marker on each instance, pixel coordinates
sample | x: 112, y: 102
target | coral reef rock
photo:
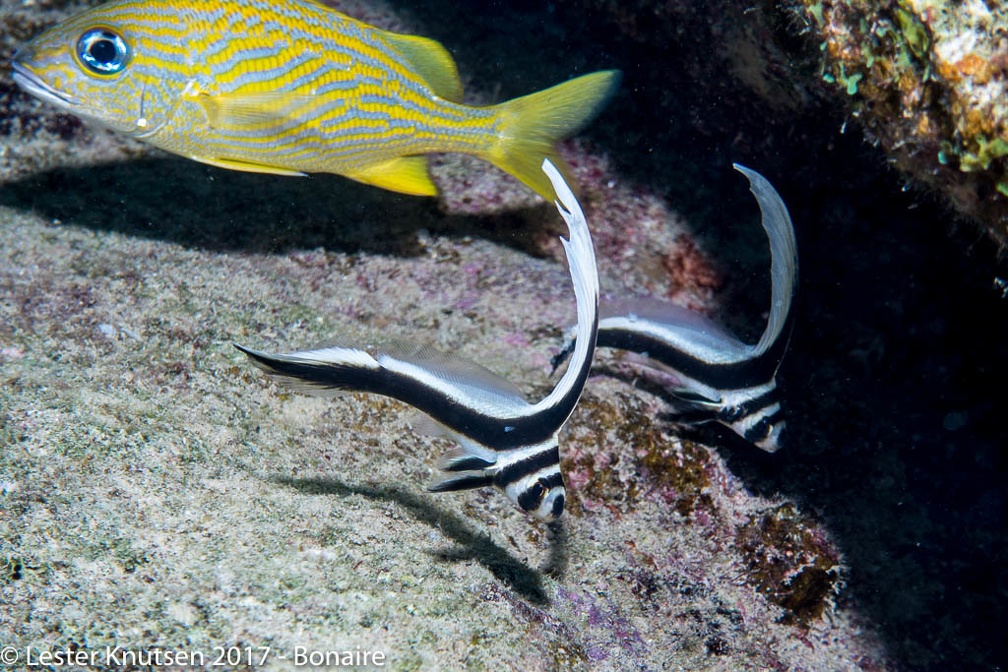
x: 929, y: 83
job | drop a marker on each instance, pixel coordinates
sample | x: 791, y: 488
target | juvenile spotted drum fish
x: 503, y: 440
x: 718, y: 377
x: 292, y: 87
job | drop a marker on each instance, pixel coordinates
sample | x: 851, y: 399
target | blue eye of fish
x: 103, y: 51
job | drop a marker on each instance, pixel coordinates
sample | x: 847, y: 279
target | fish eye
x: 531, y: 499
x: 103, y: 51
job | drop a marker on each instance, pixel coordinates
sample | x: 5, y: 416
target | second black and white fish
x: 717, y: 376
x: 503, y: 440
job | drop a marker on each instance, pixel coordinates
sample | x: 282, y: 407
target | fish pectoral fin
x: 468, y: 466
x: 248, y: 110
x: 247, y: 166
x: 406, y: 174
x: 432, y: 62
x: 464, y: 480
x: 687, y: 403
x: 695, y: 398
x: 462, y: 459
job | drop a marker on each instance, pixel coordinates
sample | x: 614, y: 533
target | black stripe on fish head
x: 764, y: 432
x: 544, y: 498
x: 548, y: 456
x: 740, y: 411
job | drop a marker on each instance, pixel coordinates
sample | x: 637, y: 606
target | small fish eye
x: 760, y: 432
x: 533, y: 497
x: 103, y: 51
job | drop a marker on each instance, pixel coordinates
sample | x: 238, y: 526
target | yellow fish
x: 292, y: 87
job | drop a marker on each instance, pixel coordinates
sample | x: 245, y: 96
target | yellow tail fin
x: 532, y: 125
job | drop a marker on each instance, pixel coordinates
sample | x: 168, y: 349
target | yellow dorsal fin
x: 406, y: 174
x: 432, y: 62
x: 243, y: 110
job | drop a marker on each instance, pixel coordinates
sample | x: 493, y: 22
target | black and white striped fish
x: 718, y: 377
x: 503, y: 440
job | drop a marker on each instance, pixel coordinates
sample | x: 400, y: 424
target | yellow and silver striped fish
x: 292, y: 87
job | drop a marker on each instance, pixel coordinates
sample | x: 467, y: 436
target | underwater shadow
x: 471, y: 545
x: 894, y: 441
x: 203, y: 207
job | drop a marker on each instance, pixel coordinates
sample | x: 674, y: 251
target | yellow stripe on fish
x: 293, y: 87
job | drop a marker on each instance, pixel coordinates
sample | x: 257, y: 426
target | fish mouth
x: 33, y: 84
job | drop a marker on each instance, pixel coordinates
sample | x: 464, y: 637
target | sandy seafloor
x: 158, y: 493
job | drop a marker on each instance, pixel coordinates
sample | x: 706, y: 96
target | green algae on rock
x: 928, y: 80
